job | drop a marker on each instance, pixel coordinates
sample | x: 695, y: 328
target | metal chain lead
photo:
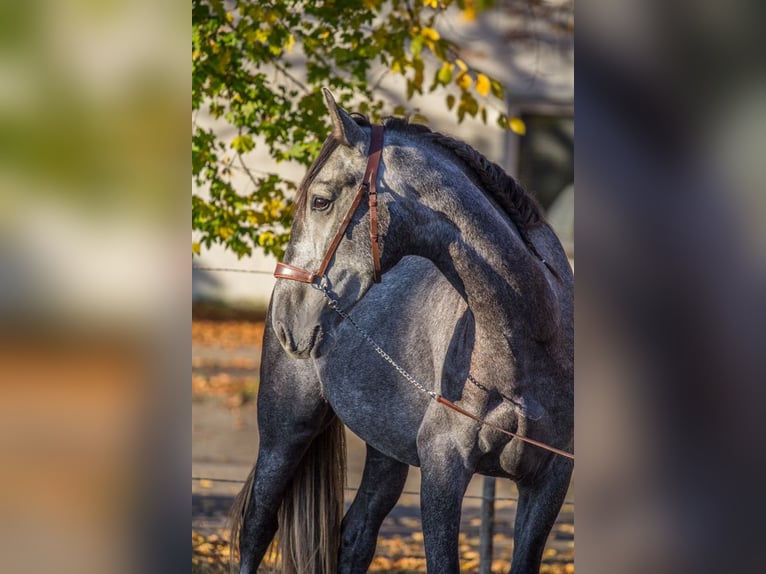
x: 321, y: 285
x: 335, y: 306
x: 503, y: 396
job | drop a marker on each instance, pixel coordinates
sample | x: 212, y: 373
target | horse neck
x: 479, y: 250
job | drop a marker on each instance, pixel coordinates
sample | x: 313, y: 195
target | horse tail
x: 308, y: 539
x: 237, y: 516
x: 312, y: 508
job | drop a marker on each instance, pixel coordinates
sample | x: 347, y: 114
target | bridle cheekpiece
x: 318, y: 278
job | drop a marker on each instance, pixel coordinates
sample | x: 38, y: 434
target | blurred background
x: 670, y: 284
x: 94, y: 283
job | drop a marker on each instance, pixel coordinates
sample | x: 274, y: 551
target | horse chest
x: 374, y: 404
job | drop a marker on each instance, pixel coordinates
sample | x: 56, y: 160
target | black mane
x: 521, y: 207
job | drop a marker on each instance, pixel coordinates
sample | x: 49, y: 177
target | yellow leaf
x: 205, y: 483
x: 461, y: 64
x: 290, y: 43
x: 469, y: 14
x: 464, y: 81
x: 431, y: 3
x: 266, y: 238
x: 275, y: 208
x: 242, y: 143
x: 482, y: 84
x: 517, y: 126
x: 430, y: 34
x: 196, y: 248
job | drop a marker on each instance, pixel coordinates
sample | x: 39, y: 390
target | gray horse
x: 476, y: 303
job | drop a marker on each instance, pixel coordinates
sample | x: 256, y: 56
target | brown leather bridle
x: 286, y: 271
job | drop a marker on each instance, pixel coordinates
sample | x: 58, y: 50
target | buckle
x: 319, y: 282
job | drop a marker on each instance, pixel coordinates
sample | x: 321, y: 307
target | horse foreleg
x: 538, y: 507
x: 443, y: 483
x: 382, y: 483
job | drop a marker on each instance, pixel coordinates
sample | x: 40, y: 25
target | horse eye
x: 320, y: 203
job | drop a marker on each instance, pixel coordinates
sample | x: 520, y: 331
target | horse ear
x: 344, y: 129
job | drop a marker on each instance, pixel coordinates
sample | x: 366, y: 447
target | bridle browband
x: 286, y: 271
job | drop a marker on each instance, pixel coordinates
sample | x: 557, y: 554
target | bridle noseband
x: 286, y: 271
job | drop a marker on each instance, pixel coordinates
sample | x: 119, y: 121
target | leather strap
x: 371, y: 175
x: 286, y: 271
x: 449, y: 404
x: 341, y: 232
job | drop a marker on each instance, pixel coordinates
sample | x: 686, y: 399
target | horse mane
x: 522, y: 209
x: 517, y: 203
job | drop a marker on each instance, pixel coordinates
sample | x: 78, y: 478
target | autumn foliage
x: 257, y: 69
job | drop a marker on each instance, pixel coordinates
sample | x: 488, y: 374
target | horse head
x: 331, y: 249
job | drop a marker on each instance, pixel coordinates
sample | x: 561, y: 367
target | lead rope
x: 335, y: 306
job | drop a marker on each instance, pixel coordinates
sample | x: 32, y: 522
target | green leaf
x: 469, y: 104
x: 445, y: 73
x: 242, y: 143
x: 416, y: 46
x: 496, y: 88
x: 418, y: 65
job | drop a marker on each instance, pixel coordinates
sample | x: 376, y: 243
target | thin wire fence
x: 488, y: 551
x: 404, y: 492
x: 232, y: 270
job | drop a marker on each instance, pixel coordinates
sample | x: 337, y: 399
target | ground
x: 225, y: 363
